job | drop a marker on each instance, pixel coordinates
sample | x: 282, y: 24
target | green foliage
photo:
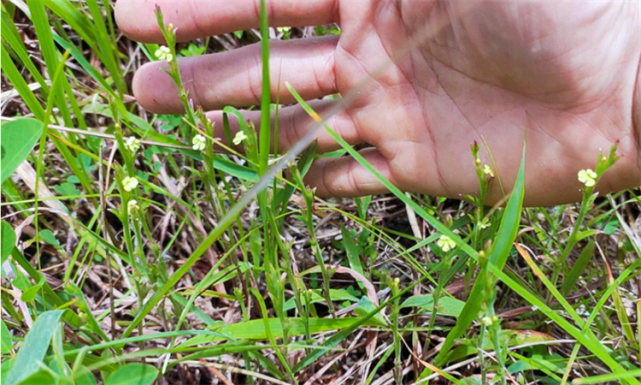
x: 232, y: 254
x: 7, y: 343
x: 133, y: 374
x: 446, y: 305
x: 67, y: 189
x: 8, y: 240
x: 193, y: 50
x: 18, y: 138
x: 47, y: 236
x: 34, y: 349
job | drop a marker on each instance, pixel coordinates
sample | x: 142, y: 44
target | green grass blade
x: 265, y: 113
x: 78, y: 21
x: 15, y: 77
x: 79, y: 57
x: 49, y: 53
x: 586, y: 339
x: 606, y: 378
x: 11, y: 36
x: 105, y: 45
x: 578, y: 267
x: 270, y: 335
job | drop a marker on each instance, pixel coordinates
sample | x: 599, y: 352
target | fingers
x: 197, y: 18
x: 345, y: 177
x: 294, y: 123
x: 235, y: 77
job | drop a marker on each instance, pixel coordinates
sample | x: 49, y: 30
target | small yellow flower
x: 198, y: 143
x: 239, y: 138
x: 132, y: 205
x: 129, y: 183
x: 164, y: 53
x: 132, y: 144
x: 446, y: 243
x: 587, y: 177
x: 488, y: 171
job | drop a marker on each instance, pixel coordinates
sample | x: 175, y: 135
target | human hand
x: 564, y: 72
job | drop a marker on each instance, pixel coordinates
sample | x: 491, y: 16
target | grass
x: 226, y: 268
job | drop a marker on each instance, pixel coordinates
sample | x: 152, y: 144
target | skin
x: 456, y: 72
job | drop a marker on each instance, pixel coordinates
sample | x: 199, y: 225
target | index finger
x: 198, y: 18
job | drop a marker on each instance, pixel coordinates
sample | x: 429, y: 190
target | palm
x: 489, y: 73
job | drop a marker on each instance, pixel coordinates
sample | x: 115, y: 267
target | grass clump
x: 135, y: 251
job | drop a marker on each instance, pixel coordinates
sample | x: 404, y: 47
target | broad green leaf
x: 8, y: 240
x: 34, y: 348
x: 85, y: 377
x: 170, y: 121
x: 66, y: 189
x: 6, y: 338
x: 334, y: 295
x: 352, y: 251
x: 446, y: 305
x: 365, y: 306
x: 611, y: 227
x: 133, y: 374
x: 41, y: 377
x: 18, y: 138
x: 48, y: 236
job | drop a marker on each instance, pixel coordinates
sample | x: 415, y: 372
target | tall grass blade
x: 18, y: 81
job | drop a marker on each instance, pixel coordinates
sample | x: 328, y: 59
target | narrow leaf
x: 578, y: 267
x: 8, y: 239
x: 6, y: 338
